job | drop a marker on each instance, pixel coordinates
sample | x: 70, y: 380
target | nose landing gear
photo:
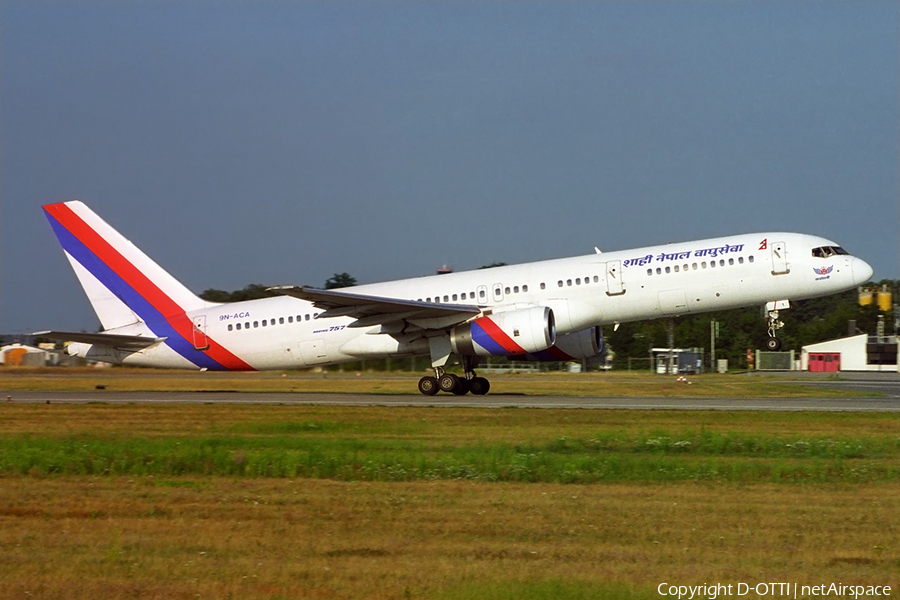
x: 773, y: 344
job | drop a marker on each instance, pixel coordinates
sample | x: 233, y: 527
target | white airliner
x: 550, y: 310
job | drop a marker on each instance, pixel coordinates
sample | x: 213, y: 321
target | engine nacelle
x: 586, y: 343
x: 502, y: 334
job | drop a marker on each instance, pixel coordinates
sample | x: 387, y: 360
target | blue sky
x: 281, y: 142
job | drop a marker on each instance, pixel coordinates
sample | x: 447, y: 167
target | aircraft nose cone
x: 862, y: 272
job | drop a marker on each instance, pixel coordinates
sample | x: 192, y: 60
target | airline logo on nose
x: 823, y: 272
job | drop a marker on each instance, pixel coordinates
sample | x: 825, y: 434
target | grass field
x: 249, y: 501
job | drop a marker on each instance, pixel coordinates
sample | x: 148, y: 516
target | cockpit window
x: 828, y: 251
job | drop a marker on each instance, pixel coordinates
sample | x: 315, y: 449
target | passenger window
x: 255, y: 324
x: 455, y: 297
x: 264, y: 322
x: 694, y: 266
x: 515, y: 289
x: 230, y: 328
x: 658, y: 271
x: 524, y: 289
x: 507, y: 291
x: 291, y: 319
x: 446, y: 298
x: 281, y: 320
x: 560, y: 283
x: 684, y: 268
x: 482, y: 293
x: 751, y: 258
x: 578, y: 281
x: 496, y: 291
x: 247, y: 325
x: 307, y: 317
x: 740, y: 260
x: 731, y: 261
x: 668, y: 269
x: 568, y: 282
x: 703, y: 265
x: 649, y: 271
x: 676, y: 268
x: 722, y: 263
x: 596, y: 279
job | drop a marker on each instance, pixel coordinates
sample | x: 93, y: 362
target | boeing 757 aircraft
x: 550, y: 310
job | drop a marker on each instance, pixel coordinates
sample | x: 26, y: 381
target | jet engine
x: 519, y: 331
x: 586, y: 343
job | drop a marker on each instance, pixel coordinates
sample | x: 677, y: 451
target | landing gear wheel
x: 448, y: 382
x: 479, y: 386
x: 773, y: 344
x: 428, y: 386
x: 462, y: 387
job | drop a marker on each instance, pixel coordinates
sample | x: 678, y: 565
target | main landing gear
x: 454, y: 384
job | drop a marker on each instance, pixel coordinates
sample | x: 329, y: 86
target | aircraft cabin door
x: 200, y: 340
x: 779, y: 259
x: 614, y: 284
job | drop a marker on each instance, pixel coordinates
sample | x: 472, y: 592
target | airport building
x: 856, y: 353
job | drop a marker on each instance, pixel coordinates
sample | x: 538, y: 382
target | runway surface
x: 887, y: 403
x: 882, y: 394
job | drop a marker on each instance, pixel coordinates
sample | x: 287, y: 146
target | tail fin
x: 123, y: 284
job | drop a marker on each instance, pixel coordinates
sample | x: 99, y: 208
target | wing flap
x: 377, y: 310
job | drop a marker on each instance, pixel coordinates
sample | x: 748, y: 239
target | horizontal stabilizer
x: 112, y: 340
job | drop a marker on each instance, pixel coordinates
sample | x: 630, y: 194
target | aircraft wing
x: 378, y: 310
x: 113, y: 340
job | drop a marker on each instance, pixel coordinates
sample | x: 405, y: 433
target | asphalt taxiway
x: 885, y: 403
x: 874, y: 392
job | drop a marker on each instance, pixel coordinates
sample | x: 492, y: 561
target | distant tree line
x: 254, y: 291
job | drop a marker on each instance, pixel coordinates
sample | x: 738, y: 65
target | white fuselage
x: 584, y: 291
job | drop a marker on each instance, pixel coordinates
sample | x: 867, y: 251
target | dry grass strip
x: 537, y: 384
x: 272, y: 538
